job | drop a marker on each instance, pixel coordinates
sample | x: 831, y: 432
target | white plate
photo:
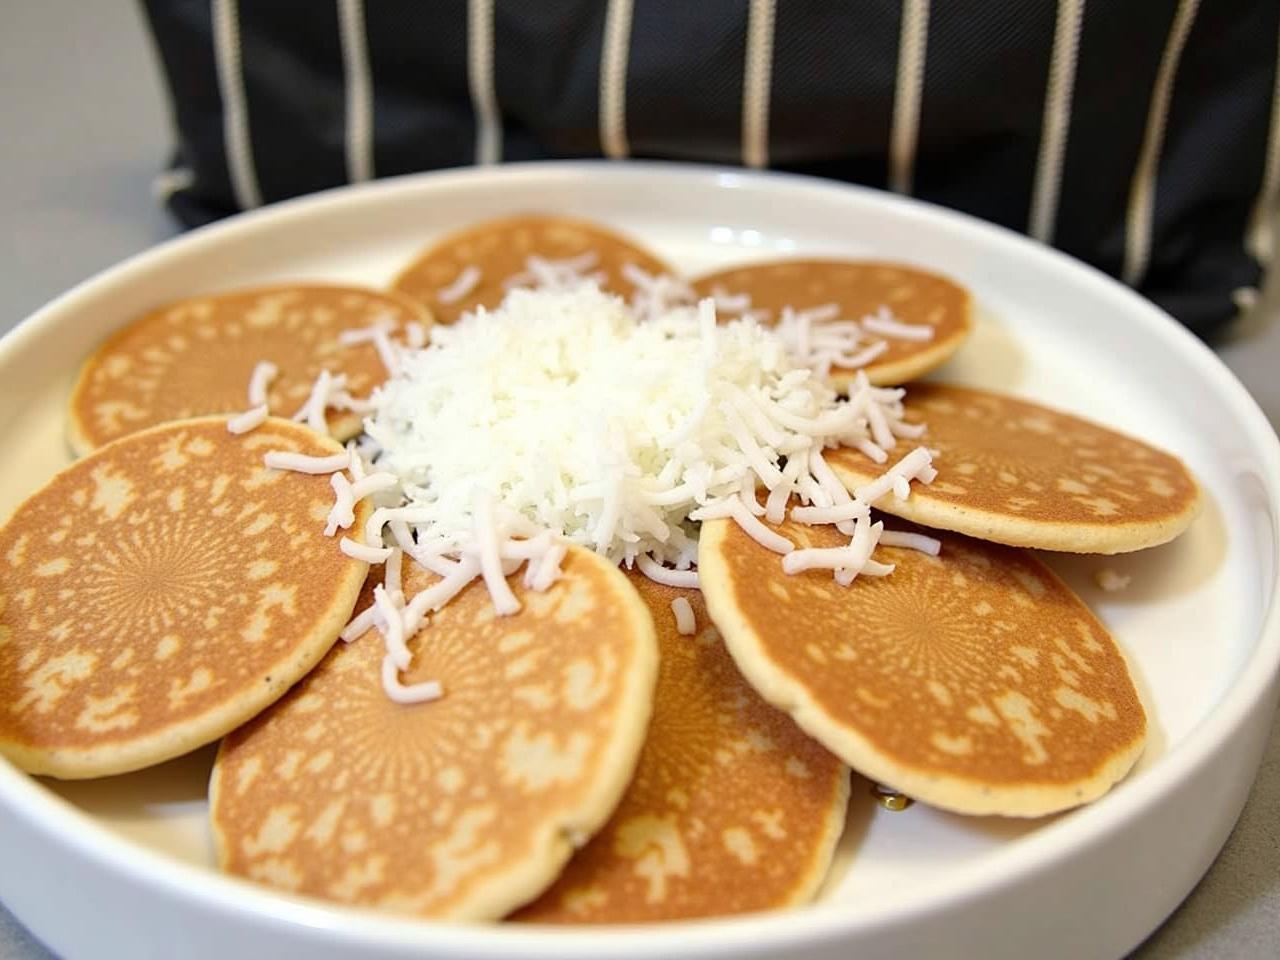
x: 125, y: 862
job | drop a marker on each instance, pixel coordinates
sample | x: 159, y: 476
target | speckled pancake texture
x: 860, y: 288
x: 465, y: 807
x: 500, y: 250
x: 1017, y: 473
x: 974, y: 681
x: 196, y: 357
x: 732, y: 807
x: 162, y: 591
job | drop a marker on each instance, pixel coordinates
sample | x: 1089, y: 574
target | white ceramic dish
x: 122, y: 865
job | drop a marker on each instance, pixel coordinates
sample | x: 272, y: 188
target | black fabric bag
x: 1137, y: 135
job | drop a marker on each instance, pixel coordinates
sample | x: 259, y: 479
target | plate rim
x: 206, y: 888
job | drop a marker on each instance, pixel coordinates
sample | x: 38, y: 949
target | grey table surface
x: 87, y: 127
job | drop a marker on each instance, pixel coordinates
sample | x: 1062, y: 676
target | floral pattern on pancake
x: 929, y: 302
x: 197, y: 356
x: 477, y: 266
x: 1019, y: 473
x: 732, y: 807
x: 462, y: 807
x: 973, y: 680
x: 161, y: 591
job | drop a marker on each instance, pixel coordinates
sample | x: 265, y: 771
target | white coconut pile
x: 567, y: 416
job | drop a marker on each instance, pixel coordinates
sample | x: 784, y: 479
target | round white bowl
x: 122, y: 865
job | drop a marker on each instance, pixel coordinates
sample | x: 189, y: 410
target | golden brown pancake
x: 465, y: 807
x: 160, y: 592
x: 499, y: 249
x: 1018, y: 473
x: 974, y: 681
x: 196, y: 357
x: 860, y: 288
x: 732, y: 807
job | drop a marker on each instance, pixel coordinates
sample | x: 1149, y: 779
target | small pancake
x: 974, y: 681
x: 860, y: 288
x: 160, y: 592
x: 1017, y: 473
x: 499, y: 249
x: 196, y: 357
x: 465, y: 807
x: 732, y: 807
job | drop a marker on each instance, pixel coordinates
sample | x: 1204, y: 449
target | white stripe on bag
x: 480, y: 78
x: 235, y: 114
x: 906, y: 98
x: 1057, y: 120
x: 355, y: 69
x: 1261, y: 238
x: 1142, y: 193
x: 756, y: 83
x: 613, y: 79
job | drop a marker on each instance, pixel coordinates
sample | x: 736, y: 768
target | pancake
x: 732, y: 807
x: 465, y: 807
x: 160, y: 592
x: 974, y: 681
x: 1017, y: 473
x: 860, y: 288
x: 196, y: 357
x: 499, y: 250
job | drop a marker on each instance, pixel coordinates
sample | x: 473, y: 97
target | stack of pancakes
x: 589, y: 763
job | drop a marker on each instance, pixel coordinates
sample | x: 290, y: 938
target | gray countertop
x: 86, y: 130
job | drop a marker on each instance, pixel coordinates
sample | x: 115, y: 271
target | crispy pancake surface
x: 499, y: 251
x: 974, y: 681
x: 160, y: 592
x: 732, y: 807
x: 859, y: 289
x: 1022, y: 474
x: 196, y: 357
x: 464, y: 807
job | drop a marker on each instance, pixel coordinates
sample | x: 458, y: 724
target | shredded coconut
x: 557, y: 275
x: 415, y: 335
x: 301, y: 463
x: 415, y: 693
x: 614, y: 431
x: 911, y: 541
x: 886, y: 324
x: 686, y: 622
x: 379, y: 334
x: 360, y: 624
x: 260, y: 382
x: 247, y: 421
x: 312, y: 412
x: 463, y: 284
x: 656, y: 295
x: 660, y: 574
x: 916, y: 465
x: 566, y: 416
x: 343, y: 513
x: 359, y: 551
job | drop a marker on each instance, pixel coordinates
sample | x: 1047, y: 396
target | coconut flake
x: 886, y: 324
x: 915, y: 465
x: 911, y: 541
x: 400, y: 693
x: 247, y: 421
x: 686, y: 622
x: 359, y: 551
x: 463, y: 284
x: 260, y: 382
x: 302, y: 463
x: 660, y: 574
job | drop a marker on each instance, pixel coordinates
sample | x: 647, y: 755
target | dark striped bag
x: 1138, y: 135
